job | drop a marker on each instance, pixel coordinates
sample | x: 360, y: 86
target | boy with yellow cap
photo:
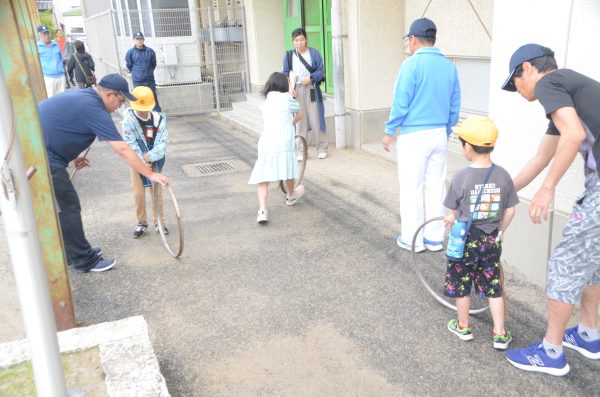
x: 145, y: 131
x: 483, y: 197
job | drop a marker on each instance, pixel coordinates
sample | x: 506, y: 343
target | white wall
x: 570, y: 28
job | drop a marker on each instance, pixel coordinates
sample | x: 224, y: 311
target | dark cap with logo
x: 118, y: 83
x: 43, y: 28
x: 422, y: 27
x: 524, y: 53
x: 138, y: 35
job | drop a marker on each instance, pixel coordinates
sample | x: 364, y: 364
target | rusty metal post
x: 22, y: 72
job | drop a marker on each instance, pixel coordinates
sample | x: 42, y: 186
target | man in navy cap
x: 425, y: 107
x: 51, y: 60
x: 570, y: 101
x: 141, y: 62
x: 71, y: 122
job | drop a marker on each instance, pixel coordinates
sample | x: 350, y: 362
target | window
x: 474, y: 77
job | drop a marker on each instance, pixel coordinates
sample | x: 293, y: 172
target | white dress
x: 277, y: 145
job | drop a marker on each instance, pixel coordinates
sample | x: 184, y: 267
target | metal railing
x: 201, y: 53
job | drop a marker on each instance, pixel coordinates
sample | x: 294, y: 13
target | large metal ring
x: 301, y: 165
x: 420, y: 275
x: 175, y: 252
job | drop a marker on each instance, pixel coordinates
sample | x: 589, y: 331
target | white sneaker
x: 293, y: 199
x: 300, y: 157
x: 322, y: 156
x: 262, y: 216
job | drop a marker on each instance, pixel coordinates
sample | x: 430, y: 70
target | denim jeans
x: 78, y: 249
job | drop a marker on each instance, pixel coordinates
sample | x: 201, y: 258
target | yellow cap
x: 145, y: 99
x: 477, y: 130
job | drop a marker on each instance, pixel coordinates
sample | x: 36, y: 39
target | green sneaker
x: 463, y: 334
x: 501, y: 342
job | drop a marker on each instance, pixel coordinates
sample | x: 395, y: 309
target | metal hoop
x: 302, y: 164
x: 174, y: 253
x: 420, y: 275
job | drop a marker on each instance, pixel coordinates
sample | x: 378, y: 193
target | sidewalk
x: 318, y: 302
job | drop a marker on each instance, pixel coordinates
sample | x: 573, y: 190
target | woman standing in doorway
x: 304, y: 68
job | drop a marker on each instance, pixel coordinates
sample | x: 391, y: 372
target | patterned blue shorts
x: 575, y: 262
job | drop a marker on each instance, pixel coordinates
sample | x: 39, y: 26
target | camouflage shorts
x: 575, y: 262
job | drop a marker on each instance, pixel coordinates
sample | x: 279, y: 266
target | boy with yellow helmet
x: 145, y: 131
x: 482, y: 200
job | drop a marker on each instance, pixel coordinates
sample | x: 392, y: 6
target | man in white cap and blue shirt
x: 425, y: 107
x: 51, y: 60
x: 570, y: 101
x: 141, y: 62
x: 71, y: 122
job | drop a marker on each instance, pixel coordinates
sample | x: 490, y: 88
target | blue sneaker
x: 434, y: 246
x: 104, y: 265
x: 574, y: 341
x: 97, y: 250
x: 408, y: 247
x: 535, y: 359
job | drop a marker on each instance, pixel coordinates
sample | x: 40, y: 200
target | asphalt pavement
x: 318, y: 302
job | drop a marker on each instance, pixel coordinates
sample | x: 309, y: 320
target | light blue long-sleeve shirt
x: 426, y: 95
x: 51, y: 59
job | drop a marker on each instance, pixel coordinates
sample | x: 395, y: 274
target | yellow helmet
x: 145, y: 99
x: 477, y: 130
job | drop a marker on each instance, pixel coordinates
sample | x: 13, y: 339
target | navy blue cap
x: 138, y: 35
x: 116, y: 82
x: 524, y: 53
x: 422, y: 27
x: 43, y: 28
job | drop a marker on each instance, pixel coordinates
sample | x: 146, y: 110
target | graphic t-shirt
x: 148, y: 130
x: 496, y: 195
x: 567, y: 88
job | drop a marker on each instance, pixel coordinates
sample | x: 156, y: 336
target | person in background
x: 51, y: 60
x: 141, y: 62
x: 304, y: 68
x: 87, y: 64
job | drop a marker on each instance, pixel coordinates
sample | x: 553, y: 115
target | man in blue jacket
x: 51, y: 60
x: 141, y: 62
x: 425, y: 107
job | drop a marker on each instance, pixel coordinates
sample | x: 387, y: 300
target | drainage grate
x: 216, y: 167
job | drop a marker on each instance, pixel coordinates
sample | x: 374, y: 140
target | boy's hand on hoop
x: 81, y: 162
x: 449, y: 219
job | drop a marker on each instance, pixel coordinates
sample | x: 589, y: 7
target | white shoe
x: 300, y: 157
x: 293, y: 199
x: 262, y: 216
x: 322, y: 156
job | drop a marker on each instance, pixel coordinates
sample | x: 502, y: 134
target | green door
x: 314, y: 16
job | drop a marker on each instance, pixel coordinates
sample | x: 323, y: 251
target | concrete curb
x: 126, y: 353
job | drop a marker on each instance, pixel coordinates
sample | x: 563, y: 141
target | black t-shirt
x: 567, y: 88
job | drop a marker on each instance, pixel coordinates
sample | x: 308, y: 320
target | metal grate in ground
x: 214, y: 167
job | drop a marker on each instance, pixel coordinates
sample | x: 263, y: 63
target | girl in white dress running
x: 276, y: 147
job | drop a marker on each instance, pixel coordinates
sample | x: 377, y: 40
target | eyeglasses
x: 120, y: 96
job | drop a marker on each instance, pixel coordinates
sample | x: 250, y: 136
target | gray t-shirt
x: 497, y: 195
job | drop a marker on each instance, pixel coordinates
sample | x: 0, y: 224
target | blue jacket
x: 141, y: 63
x: 51, y: 59
x: 318, y: 76
x: 134, y: 137
x: 426, y: 95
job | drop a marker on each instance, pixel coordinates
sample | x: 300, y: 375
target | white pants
x: 422, y: 166
x: 54, y: 85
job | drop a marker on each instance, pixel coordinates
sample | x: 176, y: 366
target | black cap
x: 43, y: 28
x: 138, y: 35
x: 422, y: 27
x: 524, y: 53
x: 116, y: 82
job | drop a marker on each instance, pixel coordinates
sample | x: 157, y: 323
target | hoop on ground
x: 439, y: 271
x: 300, y: 141
x: 170, y: 225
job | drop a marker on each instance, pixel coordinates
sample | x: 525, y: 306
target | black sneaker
x: 139, y: 230
x: 165, y: 230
